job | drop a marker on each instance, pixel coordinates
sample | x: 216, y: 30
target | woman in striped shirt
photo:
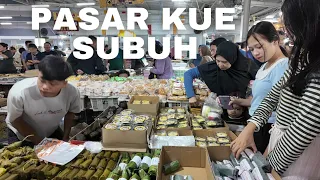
x: 295, y: 138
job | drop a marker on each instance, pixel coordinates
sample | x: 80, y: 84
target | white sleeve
x: 75, y: 106
x: 15, y: 105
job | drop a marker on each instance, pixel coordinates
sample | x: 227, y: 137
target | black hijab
x: 234, y: 79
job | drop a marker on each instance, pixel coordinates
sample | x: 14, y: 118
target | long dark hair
x: 302, y: 21
x: 267, y: 31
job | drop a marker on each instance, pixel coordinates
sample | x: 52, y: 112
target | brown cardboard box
x: 31, y: 73
x: 194, y: 161
x: 129, y: 141
x: 152, y: 108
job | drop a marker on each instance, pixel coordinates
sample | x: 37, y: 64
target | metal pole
x: 245, y: 19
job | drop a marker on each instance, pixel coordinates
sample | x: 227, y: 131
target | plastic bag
x: 211, y: 105
x: 93, y: 147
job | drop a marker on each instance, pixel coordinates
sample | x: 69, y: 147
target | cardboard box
x: 129, y: 141
x: 194, y: 161
x: 225, y: 128
x: 152, y: 108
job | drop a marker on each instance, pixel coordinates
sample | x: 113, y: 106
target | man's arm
x: 25, y: 129
x: 15, y: 111
x: 68, y: 123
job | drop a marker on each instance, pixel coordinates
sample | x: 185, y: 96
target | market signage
x: 135, y: 16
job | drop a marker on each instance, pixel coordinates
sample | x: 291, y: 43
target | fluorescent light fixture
x: 86, y: 4
x: 63, y: 36
x: 40, y: 5
x: 205, y: 35
x: 6, y: 23
x: 5, y: 17
x: 1, y: 7
x: 179, y: 0
x: 29, y: 22
x: 270, y: 16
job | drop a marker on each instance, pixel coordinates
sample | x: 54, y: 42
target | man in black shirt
x: 34, y: 57
x: 47, y: 49
x: 92, y: 65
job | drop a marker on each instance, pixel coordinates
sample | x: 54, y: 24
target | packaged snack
x: 140, y: 128
x: 170, y: 110
x: 111, y: 126
x: 182, y: 125
x: 161, y: 133
x: 127, y: 112
x: 222, y: 135
x: 171, y: 122
x: 181, y: 110
x: 213, y: 144
x: 136, y: 102
x: 197, y: 128
x: 125, y: 128
x: 180, y: 116
x: 200, y: 119
x: 163, y: 118
x: 145, y: 102
x: 211, y: 139
x: 223, y: 141
x: 201, y: 144
x: 171, y: 116
x: 173, y: 133
x: 161, y: 127
x: 200, y: 139
x: 210, y: 123
x: 140, y: 119
x: 162, y: 122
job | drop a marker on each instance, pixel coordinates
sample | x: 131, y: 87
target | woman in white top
x: 263, y: 42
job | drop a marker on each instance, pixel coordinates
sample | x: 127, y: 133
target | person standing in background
x: 24, y: 54
x: 58, y: 52
x: 244, y: 50
x: 162, y: 67
x: 16, y: 57
x: 47, y: 49
x: 203, y: 51
x: 33, y: 57
x: 6, y: 60
x: 92, y: 65
x: 214, y: 46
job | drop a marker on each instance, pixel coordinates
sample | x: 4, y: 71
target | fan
x: 43, y: 32
x: 231, y: 3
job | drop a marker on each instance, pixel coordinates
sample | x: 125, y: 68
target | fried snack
x: 105, y: 174
x: 85, y: 164
x: 78, y: 162
x: 115, y: 156
x: 13, y: 177
x: 5, y: 176
x: 102, y: 164
x: 70, y: 175
x: 97, y: 174
x: 88, y: 174
x: 107, y: 154
x: 80, y: 174
x: 16, y: 169
x: 111, y: 165
x: 100, y: 155
x: 94, y: 163
x: 53, y: 172
x: 62, y: 174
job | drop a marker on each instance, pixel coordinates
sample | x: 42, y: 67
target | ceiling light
x: 29, y: 22
x: 5, y: 17
x: 86, y: 4
x: 205, y: 35
x: 270, y: 16
x: 179, y: 0
x: 40, y: 5
x: 7, y: 23
x: 1, y: 7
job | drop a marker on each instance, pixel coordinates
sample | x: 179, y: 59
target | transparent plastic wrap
x: 210, y: 105
x: 156, y: 142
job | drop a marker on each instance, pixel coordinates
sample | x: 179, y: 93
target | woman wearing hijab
x: 230, y: 73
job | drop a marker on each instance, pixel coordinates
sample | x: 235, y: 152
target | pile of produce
x: 172, y: 118
x: 127, y: 120
x: 250, y: 166
x: 219, y: 139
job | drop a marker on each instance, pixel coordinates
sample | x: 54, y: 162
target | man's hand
x: 80, y: 72
x: 36, y: 61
